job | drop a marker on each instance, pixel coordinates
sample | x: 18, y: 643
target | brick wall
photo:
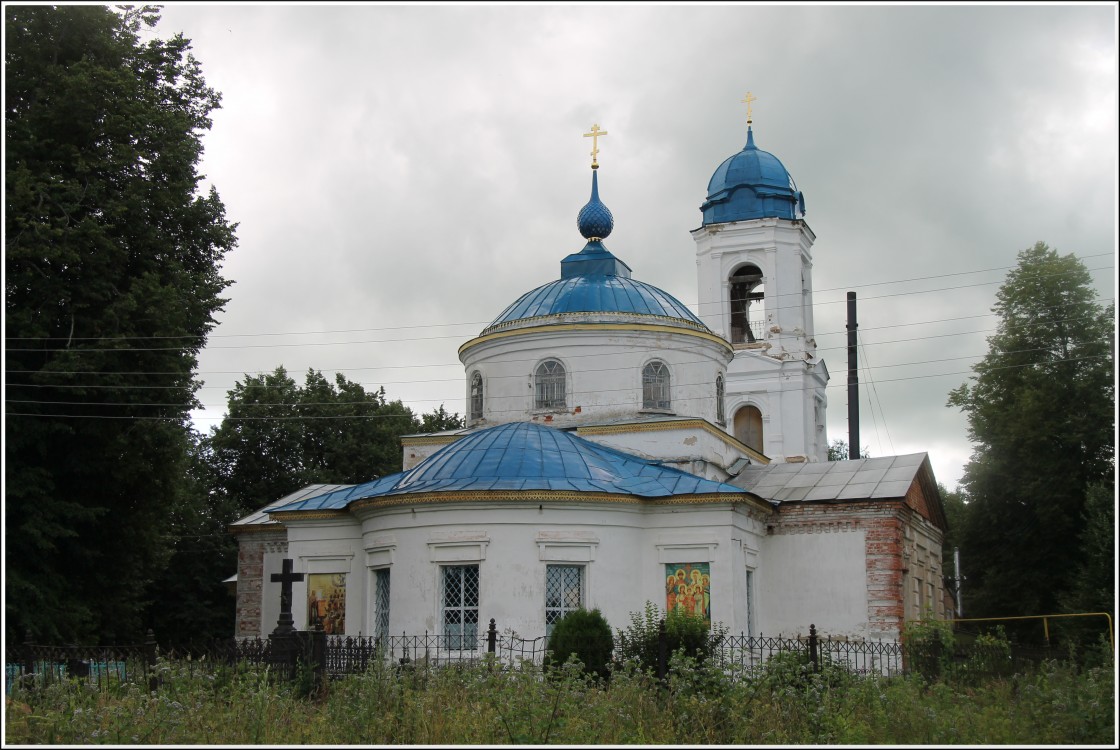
x: 251, y: 547
x: 882, y: 524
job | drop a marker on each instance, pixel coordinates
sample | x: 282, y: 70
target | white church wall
x: 813, y: 578
x: 603, y: 366
x: 623, y: 550
x: 687, y: 447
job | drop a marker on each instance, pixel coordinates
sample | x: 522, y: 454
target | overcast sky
x: 399, y: 174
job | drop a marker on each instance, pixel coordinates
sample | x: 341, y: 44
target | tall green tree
x: 111, y: 285
x: 279, y: 436
x: 1040, y: 413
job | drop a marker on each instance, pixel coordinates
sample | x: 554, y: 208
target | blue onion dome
x: 595, y: 286
x: 595, y: 221
x: 752, y: 184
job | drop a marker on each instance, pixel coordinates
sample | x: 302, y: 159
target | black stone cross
x: 285, y: 578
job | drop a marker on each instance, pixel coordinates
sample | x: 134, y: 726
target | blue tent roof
x: 525, y: 456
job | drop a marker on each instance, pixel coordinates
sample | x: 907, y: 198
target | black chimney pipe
x: 853, y: 381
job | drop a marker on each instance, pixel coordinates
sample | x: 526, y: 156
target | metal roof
x: 524, y: 456
x: 597, y: 293
x: 751, y: 184
x: 889, y: 477
x: 258, y: 517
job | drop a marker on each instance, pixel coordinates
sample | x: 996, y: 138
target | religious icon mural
x: 326, y: 602
x: 689, y: 585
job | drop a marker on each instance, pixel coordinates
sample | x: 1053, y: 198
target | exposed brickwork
x: 251, y: 547
x: 882, y: 524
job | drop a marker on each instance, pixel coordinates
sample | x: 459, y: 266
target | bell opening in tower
x: 747, y: 298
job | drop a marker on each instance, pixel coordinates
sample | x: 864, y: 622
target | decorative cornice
x: 431, y: 440
x: 538, y: 496
x: 255, y: 528
x: 308, y: 515
x: 702, y: 424
x: 595, y: 328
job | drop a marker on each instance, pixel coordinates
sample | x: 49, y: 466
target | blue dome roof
x: 597, y: 293
x: 752, y: 184
x: 594, y: 281
x: 524, y: 456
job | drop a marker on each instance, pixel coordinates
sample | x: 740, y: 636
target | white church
x: 620, y: 449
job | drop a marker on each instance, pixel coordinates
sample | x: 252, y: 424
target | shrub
x: 684, y: 632
x: 585, y: 635
x: 929, y: 647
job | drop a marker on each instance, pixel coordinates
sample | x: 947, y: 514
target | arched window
x: 655, y: 386
x: 747, y: 296
x: 721, y: 416
x: 551, y: 385
x: 476, y: 395
x: 748, y: 427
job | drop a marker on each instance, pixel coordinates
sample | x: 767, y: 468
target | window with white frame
x: 563, y: 593
x: 551, y: 385
x: 460, y: 606
x: 476, y: 395
x: 381, y: 602
x: 655, y: 386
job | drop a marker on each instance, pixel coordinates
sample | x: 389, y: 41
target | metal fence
x: 333, y: 656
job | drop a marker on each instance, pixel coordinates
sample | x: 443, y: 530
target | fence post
x: 662, y: 651
x: 150, y: 654
x: 492, y: 637
x: 814, y: 650
x: 28, y: 658
x: 318, y: 638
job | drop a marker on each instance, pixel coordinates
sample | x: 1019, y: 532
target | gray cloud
x: 405, y: 172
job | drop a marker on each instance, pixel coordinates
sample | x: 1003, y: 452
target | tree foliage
x: 1040, y: 414
x: 111, y: 285
x: 838, y: 450
x: 279, y: 436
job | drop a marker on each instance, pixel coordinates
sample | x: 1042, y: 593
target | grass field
x: 784, y: 704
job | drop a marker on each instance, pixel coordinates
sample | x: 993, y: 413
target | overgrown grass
x: 786, y: 704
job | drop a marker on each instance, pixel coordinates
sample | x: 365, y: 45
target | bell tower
x: 754, y: 273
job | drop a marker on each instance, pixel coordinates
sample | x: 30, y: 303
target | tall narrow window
x: 381, y: 602
x: 721, y: 415
x: 655, y: 386
x: 460, y: 607
x: 563, y: 593
x: 476, y: 395
x: 551, y: 385
x: 750, y: 602
x: 748, y: 427
x: 745, y: 289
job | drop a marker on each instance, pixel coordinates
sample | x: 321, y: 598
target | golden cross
x: 594, y: 136
x: 747, y: 100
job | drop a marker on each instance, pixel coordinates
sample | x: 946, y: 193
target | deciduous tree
x: 1040, y: 414
x: 112, y: 282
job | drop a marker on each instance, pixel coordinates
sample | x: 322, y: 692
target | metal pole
x: 853, y: 381
x: 957, y: 580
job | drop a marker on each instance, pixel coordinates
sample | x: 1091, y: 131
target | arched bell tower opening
x: 748, y: 427
x: 747, y: 299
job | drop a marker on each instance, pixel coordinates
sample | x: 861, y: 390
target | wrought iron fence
x: 35, y: 665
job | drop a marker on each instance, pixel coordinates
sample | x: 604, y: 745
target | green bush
x: 587, y: 636
x: 684, y: 632
x: 928, y: 646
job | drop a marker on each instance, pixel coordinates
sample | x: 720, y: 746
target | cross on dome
x: 748, y: 99
x: 594, y: 136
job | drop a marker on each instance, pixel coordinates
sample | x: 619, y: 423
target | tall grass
x: 787, y: 703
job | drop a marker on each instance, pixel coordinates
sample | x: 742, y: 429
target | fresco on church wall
x: 326, y: 602
x: 689, y: 585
